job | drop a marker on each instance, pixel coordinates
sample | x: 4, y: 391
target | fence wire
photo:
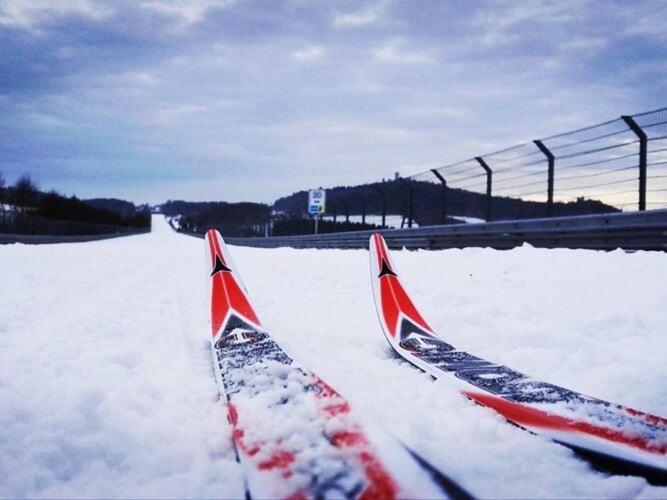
x: 596, y: 169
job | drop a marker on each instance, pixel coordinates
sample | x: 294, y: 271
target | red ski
x: 294, y: 435
x: 621, y: 439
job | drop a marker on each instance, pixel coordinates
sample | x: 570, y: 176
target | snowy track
x: 106, y: 386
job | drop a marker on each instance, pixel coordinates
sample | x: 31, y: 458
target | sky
x: 234, y: 100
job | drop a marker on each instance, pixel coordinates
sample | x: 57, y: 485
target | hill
x: 179, y: 207
x: 288, y: 214
x: 115, y: 205
x: 427, y: 206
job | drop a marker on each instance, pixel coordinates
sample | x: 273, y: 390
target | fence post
x: 443, y: 196
x: 347, y: 210
x: 550, y: 181
x: 409, y: 191
x: 383, y: 199
x: 643, y: 152
x: 489, y: 181
x: 363, y: 210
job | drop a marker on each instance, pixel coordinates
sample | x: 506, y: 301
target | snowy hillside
x: 107, y: 389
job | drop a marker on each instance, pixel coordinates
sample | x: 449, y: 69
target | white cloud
x: 308, y: 54
x: 502, y: 23
x: 186, y: 12
x: 404, y: 93
x: 45, y: 120
x: 394, y: 53
x: 583, y: 44
x: 28, y: 14
x: 512, y: 14
x: 648, y: 25
x: 140, y: 77
x: 359, y: 18
x: 175, y: 114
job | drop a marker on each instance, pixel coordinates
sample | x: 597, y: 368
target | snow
x: 391, y: 220
x: 395, y: 221
x: 468, y: 220
x: 107, y: 387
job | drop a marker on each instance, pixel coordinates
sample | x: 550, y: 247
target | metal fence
x: 617, y: 165
x: 631, y: 231
x: 608, y: 168
x: 13, y: 223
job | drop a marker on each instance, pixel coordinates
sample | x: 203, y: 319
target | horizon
x: 215, y: 100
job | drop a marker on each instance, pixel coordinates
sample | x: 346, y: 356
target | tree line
x: 233, y: 219
x: 367, y: 199
x: 24, y: 197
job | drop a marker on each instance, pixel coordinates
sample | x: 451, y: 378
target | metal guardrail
x: 631, y: 231
x: 40, y: 239
x: 29, y: 224
x: 35, y: 230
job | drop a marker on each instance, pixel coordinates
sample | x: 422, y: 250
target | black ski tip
x: 220, y: 267
x: 386, y: 270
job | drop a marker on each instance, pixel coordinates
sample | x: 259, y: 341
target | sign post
x: 316, y: 204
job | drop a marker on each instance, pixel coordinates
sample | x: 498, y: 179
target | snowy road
x: 106, y: 386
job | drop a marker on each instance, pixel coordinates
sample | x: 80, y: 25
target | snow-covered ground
x: 391, y: 220
x: 106, y: 385
x: 395, y: 221
x: 469, y: 220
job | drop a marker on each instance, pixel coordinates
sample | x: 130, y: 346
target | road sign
x: 316, y: 201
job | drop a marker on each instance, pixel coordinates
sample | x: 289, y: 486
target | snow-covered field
x: 107, y: 390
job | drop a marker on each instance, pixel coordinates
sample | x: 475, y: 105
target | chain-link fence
x: 618, y: 165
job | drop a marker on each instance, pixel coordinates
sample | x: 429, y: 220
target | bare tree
x: 3, y: 194
x: 24, y: 193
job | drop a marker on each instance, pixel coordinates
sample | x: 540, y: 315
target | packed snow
x: 107, y: 387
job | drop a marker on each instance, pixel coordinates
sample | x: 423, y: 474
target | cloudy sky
x: 251, y: 100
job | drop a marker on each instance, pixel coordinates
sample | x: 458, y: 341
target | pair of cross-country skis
x: 296, y: 437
